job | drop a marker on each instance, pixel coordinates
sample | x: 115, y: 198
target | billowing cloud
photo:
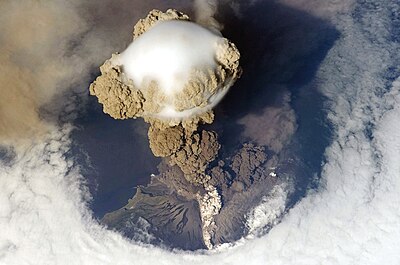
x: 353, y: 217
x: 174, y: 70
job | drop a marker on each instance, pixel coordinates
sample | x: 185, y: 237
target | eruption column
x: 173, y: 74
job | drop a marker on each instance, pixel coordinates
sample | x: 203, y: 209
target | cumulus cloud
x: 352, y: 219
x: 268, y: 212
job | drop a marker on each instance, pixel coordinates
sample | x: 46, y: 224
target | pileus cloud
x: 173, y: 71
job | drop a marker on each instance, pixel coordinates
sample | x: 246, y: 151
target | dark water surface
x: 116, y: 156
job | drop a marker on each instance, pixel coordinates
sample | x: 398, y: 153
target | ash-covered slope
x: 170, y: 203
x: 174, y: 220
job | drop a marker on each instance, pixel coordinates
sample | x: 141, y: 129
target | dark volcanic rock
x: 169, y: 204
x: 174, y: 220
x: 242, y: 180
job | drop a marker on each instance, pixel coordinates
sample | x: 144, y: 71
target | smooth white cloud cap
x: 168, y: 52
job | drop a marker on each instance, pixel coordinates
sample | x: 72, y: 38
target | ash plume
x: 173, y: 74
x: 205, y: 11
x: 31, y: 64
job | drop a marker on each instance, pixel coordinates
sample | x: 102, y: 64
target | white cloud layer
x: 174, y: 58
x: 268, y: 212
x: 354, y: 218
